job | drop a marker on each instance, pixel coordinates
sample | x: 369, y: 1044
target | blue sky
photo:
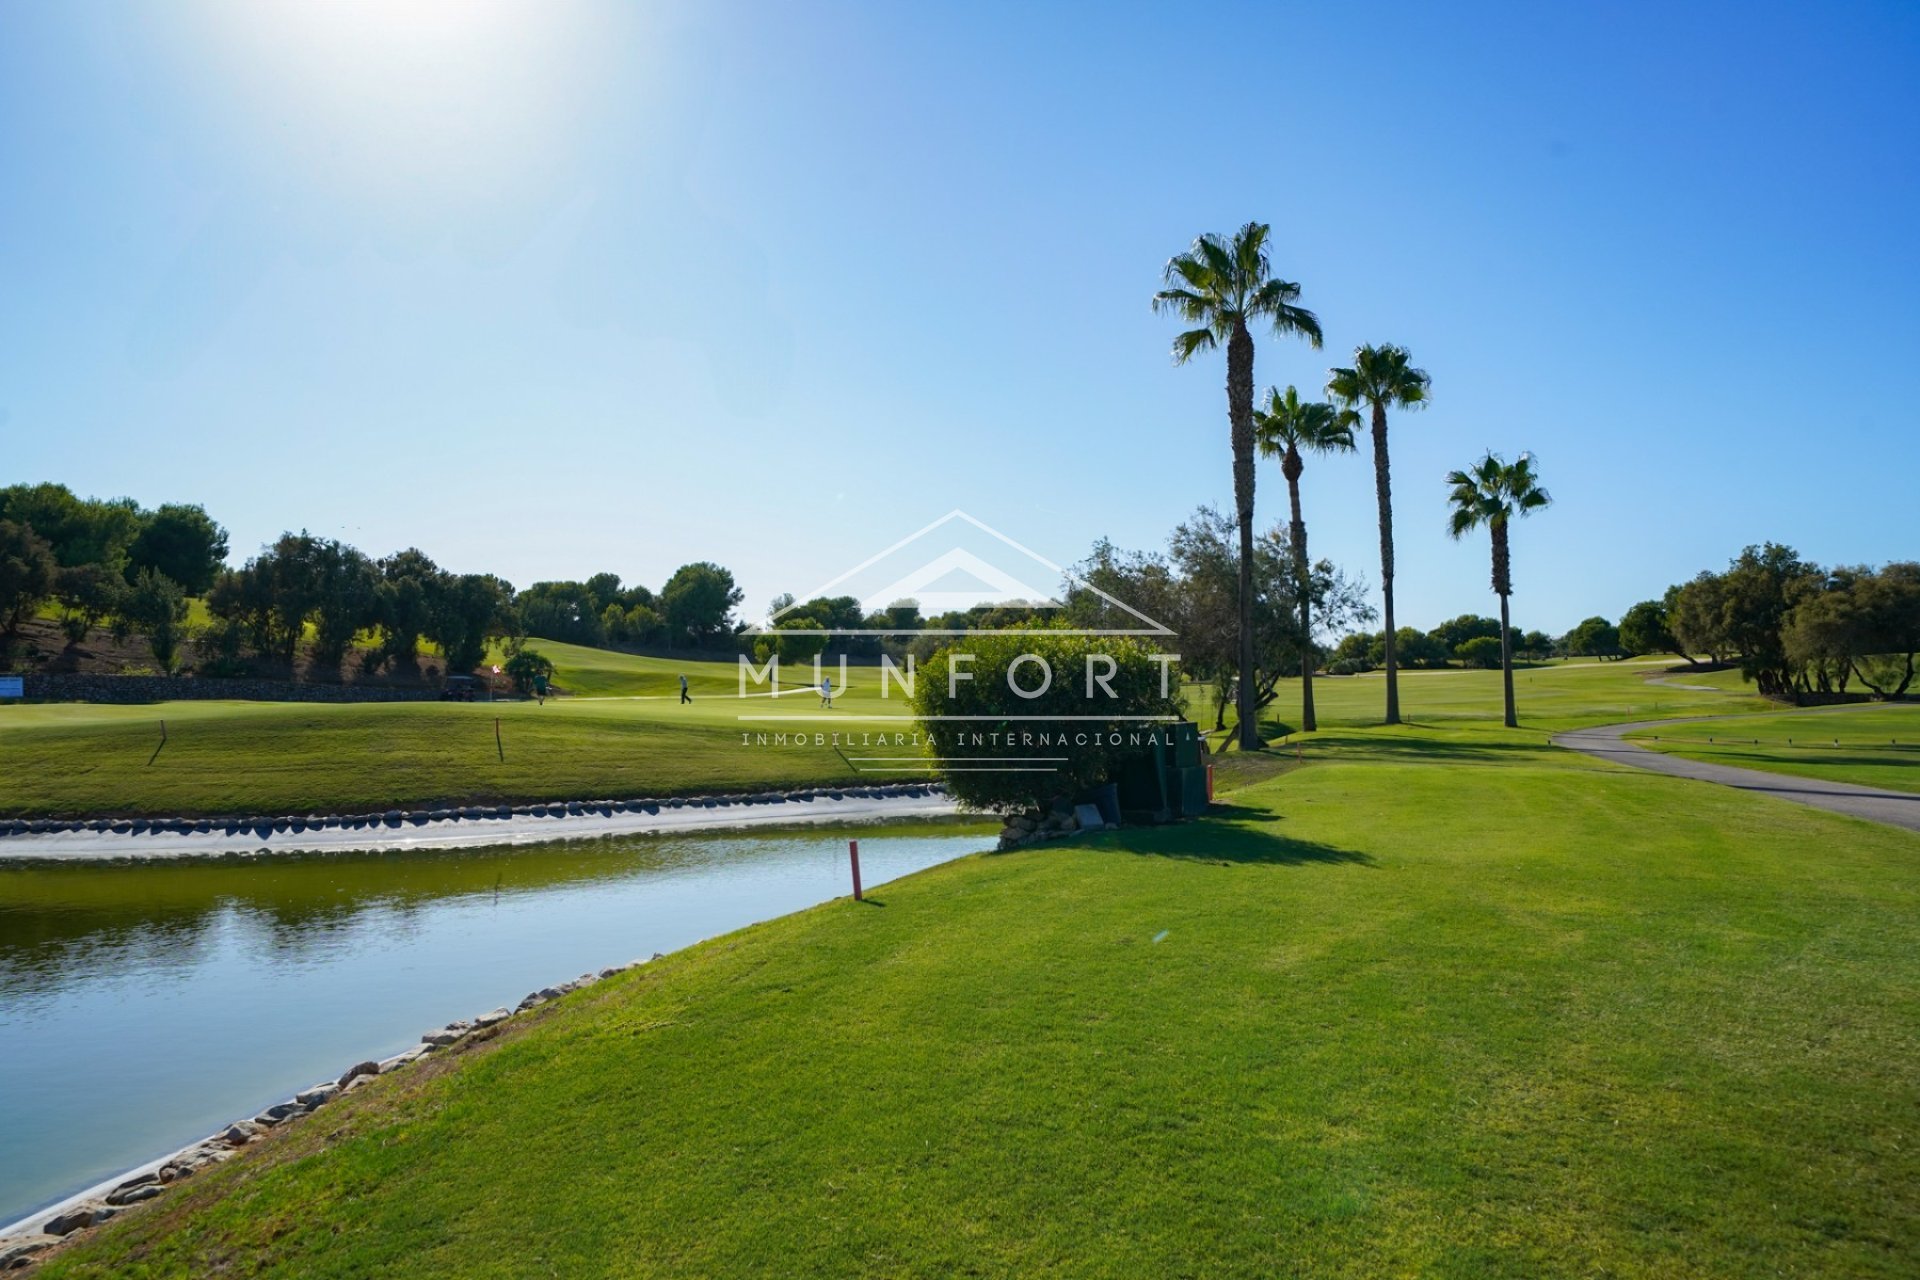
x: 551, y: 289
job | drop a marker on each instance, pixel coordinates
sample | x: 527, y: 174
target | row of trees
x: 1793, y: 627
x: 118, y: 537
x: 106, y: 563
x: 1225, y: 287
x: 112, y: 564
x: 1469, y: 639
x: 336, y: 596
x: 329, y: 594
x: 693, y: 610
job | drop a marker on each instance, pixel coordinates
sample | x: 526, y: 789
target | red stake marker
x: 853, y: 856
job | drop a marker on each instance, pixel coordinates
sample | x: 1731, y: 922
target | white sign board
x: 13, y: 687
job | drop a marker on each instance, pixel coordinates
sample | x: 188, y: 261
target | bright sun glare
x: 419, y: 98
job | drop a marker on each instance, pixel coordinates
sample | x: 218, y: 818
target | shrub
x: 794, y: 641
x: 28, y: 574
x: 1350, y: 667
x: 1481, y: 651
x: 156, y: 607
x: 527, y: 667
x: 217, y: 646
x: 1062, y: 757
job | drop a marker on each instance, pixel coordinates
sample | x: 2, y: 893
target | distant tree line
x: 112, y: 564
x: 109, y: 563
x: 1793, y: 628
x: 695, y: 609
x: 1469, y: 639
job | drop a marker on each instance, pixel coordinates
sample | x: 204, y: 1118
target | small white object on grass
x: 1160, y: 936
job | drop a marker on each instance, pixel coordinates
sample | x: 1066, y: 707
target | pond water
x: 143, y: 1007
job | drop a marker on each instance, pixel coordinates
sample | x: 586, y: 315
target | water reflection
x: 62, y: 925
x: 142, y: 1006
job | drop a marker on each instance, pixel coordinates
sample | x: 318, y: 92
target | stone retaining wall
x: 126, y: 689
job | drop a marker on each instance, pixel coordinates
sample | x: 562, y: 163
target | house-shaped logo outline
x: 957, y: 559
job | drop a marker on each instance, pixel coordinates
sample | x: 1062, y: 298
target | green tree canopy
x: 28, y: 574
x: 527, y: 667
x: 1479, y: 651
x: 156, y: 607
x: 467, y: 611
x: 1088, y: 743
x: 1643, y: 629
x: 182, y: 542
x: 87, y: 594
x: 1761, y: 585
x: 1593, y: 638
x: 1696, y: 617
x: 698, y: 603
x: 78, y: 530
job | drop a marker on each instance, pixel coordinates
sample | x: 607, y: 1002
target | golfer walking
x: 826, y: 691
x: 683, y: 690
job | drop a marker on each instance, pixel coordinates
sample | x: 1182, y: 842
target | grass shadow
x: 1232, y: 835
x: 1382, y: 747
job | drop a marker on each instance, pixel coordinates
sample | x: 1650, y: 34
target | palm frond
x: 1274, y: 300
x: 1229, y: 285
x: 1462, y: 521
x: 1325, y: 429
x: 1191, y: 343
x: 1250, y: 254
x: 1344, y: 386
x: 1190, y: 269
x: 1276, y: 425
x: 1221, y: 282
x: 1185, y: 303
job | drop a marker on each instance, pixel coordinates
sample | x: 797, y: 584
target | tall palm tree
x: 1223, y: 287
x: 1285, y: 429
x: 1492, y: 493
x: 1382, y: 377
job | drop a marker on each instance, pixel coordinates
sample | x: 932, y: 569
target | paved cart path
x: 1608, y: 742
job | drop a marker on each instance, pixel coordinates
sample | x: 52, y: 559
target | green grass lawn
x: 625, y: 733
x: 1875, y: 746
x: 1550, y: 696
x: 1438, y: 1001
x: 606, y: 673
x: 241, y: 757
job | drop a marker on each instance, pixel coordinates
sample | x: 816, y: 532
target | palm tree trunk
x: 1383, y: 489
x: 1240, y: 417
x: 1503, y: 584
x: 1506, y: 664
x: 1300, y: 570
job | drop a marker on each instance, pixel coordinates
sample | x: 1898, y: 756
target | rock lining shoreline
x: 55, y: 839
x: 29, y: 1240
